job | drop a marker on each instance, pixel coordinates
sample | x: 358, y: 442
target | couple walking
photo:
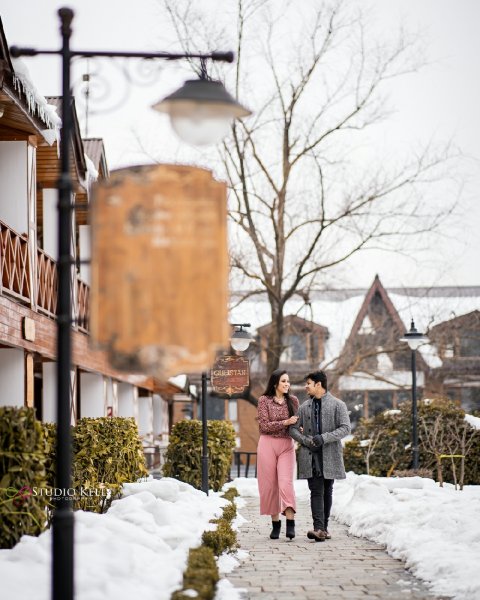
x: 317, y: 425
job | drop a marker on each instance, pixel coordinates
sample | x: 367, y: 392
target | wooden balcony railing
x: 47, y: 284
x: 83, y: 305
x: 14, y: 263
x: 15, y: 267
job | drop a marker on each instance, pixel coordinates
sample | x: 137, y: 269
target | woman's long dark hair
x: 271, y: 388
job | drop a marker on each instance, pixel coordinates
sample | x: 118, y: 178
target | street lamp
x: 201, y: 111
x: 240, y: 341
x: 211, y: 97
x: 414, y: 339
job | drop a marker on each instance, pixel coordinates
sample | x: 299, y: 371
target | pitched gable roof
x: 375, y: 288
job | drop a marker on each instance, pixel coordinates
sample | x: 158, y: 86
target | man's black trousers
x: 320, y: 501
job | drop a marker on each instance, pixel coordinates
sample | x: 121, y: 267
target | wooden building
x: 29, y: 167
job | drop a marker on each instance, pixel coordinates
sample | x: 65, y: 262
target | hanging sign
x: 230, y: 375
x: 160, y: 269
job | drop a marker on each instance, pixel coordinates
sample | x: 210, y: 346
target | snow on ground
x: 138, y: 549
x: 436, y: 531
x: 474, y: 421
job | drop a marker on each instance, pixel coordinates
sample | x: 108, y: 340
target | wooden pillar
x: 29, y: 380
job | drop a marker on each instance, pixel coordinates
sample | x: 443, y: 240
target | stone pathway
x: 344, y: 567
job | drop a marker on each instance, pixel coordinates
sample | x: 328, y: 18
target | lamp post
x: 240, y: 341
x: 217, y: 107
x: 414, y: 339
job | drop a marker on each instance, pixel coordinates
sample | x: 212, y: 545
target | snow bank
x: 138, y: 549
x: 436, y: 531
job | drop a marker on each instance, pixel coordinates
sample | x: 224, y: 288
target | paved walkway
x: 344, y: 567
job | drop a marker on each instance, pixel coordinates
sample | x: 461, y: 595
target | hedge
x: 201, y: 576
x: 387, y: 438
x: 22, y: 468
x: 107, y: 453
x: 183, y: 456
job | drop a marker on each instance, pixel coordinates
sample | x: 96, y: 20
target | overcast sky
x: 440, y: 102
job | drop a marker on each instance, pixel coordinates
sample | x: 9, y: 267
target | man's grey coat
x: 335, y: 426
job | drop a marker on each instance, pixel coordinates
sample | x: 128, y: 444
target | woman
x: 276, y: 454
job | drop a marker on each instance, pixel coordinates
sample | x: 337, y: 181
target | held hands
x: 291, y: 421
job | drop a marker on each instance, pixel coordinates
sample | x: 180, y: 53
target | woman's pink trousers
x: 275, y: 470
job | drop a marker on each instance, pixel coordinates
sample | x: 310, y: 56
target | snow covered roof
x: 338, y: 309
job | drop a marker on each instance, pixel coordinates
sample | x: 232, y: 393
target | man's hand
x: 318, y: 440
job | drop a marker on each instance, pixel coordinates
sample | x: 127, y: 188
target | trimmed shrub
x: 183, y: 457
x: 229, y: 512
x: 201, y: 575
x: 22, y: 468
x: 384, y: 443
x: 231, y: 493
x: 107, y: 453
x: 223, y: 539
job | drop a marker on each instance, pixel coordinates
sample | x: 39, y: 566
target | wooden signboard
x: 230, y: 375
x: 160, y: 269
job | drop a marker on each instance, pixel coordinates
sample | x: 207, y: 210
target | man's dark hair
x: 318, y: 376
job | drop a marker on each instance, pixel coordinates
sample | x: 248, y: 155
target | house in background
x: 29, y: 167
x: 358, y: 345
x: 457, y: 342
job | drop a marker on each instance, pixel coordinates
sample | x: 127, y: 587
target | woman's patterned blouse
x: 271, y: 416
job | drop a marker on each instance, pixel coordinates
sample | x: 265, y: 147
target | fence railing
x: 14, y: 263
x: 15, y: 278
x: 47, y: 283
x: 244, y: 464
x: 83, y: 304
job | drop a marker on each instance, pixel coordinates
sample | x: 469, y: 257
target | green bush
x: 22, y: 468
x: 441, y: 426
x: 107, y: 453
x: 201, y: 575
x: 183, y: 457
x: 223, y: 539
x: 231, y: 493
x: 229, y: 512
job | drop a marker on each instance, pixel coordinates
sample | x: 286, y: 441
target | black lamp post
x: 216, y: 107
x: 240, y: 341
x: 414, y: 339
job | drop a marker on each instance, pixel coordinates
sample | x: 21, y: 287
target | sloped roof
x: 95, y: 150
x: 25, y: 108
x: 338, y: 309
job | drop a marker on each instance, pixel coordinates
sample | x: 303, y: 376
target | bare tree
x: 302, y: 197
x: 433, y: 438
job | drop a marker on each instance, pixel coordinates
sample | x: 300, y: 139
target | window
x: 379, y: 401
x: 354, y: 402
x: 470, y: 344
x: 295, y: 348
x: 470, y: 397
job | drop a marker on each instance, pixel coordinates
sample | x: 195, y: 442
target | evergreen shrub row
x: 201, y: 575
x: 107, y: 452
x: 22, y: 468
x: 381, y: 445
x: 183, y: 456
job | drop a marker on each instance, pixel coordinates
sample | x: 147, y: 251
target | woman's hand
x: 291, y: 421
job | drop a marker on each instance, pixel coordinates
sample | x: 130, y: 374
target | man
x: 322, y: 422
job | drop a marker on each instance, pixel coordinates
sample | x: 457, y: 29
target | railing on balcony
x: 47, y: 283
x: 83, y: 305
x: 15, y: 267
x: 14, y: 263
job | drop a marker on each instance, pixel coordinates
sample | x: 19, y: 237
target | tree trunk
x: 275, y: 339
